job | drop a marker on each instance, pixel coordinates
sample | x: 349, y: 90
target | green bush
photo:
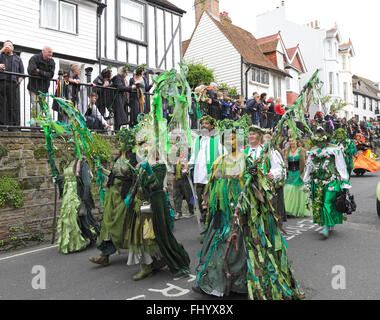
x: 103, y: 148
x: 10, y: 193
x: 199, y: 73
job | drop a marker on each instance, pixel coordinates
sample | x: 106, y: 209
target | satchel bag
x: 345, y: 203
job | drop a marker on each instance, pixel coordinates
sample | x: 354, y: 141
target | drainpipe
x: 99, y: 12
x: 246, y: 82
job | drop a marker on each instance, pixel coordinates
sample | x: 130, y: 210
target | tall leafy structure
x: 77, y: 130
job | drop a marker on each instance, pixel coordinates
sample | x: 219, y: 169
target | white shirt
x: 200, y: 163
x: 95, y: 113
x: 255, y: 153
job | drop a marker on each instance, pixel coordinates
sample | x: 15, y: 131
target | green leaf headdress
x: 128, y: 137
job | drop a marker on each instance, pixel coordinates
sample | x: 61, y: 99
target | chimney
x: 282, y: 3
x: 211, y: 6
x: 312, y: 24
x: 225, y: 17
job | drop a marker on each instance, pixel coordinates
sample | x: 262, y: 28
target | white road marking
x: 138, y: 297
x: 28, y: 252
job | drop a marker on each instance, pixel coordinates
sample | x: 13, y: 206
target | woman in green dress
x: 77, y: 227
x: 295, y: 197
x: 243, y: 250
x: 326, y: 176
x: 119, y: 182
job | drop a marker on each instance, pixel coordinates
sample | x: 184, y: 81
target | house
x: 290, y: 60
x: 232, y: 53
x: 366, y: 95
x: 320, y: 47
x: 346, y: 53
x: 94, y: 34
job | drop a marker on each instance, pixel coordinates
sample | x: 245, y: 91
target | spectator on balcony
x: 94, y: 118
x: 137, y: 101
x: 147, y: 86
x: 76, y: 92
x: 10, y: 85
x: 41, y: 65
x: 119, y: 107
x: 105, y: 97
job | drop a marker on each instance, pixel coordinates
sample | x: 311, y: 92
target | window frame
x: 59, y: 2
x: 75, y: 17
x: 260, y: 74
x: 146, y: 26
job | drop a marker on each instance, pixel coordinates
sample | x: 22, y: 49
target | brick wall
x: 26, y: 162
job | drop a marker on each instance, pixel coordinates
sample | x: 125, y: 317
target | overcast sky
x: 358, y: 20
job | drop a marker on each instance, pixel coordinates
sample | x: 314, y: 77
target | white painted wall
x: 210, y: 47
x: 20, y: 22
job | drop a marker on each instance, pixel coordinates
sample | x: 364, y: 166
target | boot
x: 146, y: 271
x: 102, y: 260
x: 325, y: 232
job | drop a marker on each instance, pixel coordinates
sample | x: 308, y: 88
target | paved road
x: 355, y: 246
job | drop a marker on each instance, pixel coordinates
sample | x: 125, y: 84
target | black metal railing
x: 18, y: 107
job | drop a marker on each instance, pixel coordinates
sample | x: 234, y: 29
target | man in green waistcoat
x: 206, y: 150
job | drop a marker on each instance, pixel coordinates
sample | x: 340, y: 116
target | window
x: 370, y: 105
x: 288, y: 83
x: 345, y: 89
x: 329, y: 43
x: 68, y: 17
x: 364, y: 103
x: 59, y: 15
x: 337, y: 83
x: 331, y: 81
x: 356, y: 101
x: 132, y: 20
x: 260, y: 76
x: 344, y: 64
x: 279, y: 91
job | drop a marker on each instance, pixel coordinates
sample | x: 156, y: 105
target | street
x: 351, y: 252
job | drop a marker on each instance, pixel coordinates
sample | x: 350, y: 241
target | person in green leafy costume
x: 119, y: 182
x: 325, y: 177
x: 350, y: 151
x: 77, y: 226
x: 243, y: 250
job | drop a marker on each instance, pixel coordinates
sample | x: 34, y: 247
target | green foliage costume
x: 350, y: 151
x: 243, y: 249
x: 326, y: 176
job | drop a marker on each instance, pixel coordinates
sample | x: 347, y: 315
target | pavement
x: 343, y: 267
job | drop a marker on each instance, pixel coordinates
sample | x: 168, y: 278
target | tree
x: 199, y: 73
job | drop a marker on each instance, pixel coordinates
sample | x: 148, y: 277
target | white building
x: 94, y: 33
x: 232, y: 53
x: 320, y: 47
x: 346, y: 53
x: 289, y: 59
x: 366, y: 95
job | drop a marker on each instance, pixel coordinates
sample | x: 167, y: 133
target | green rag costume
x: 294, y: 196
x: 70, y: 235
x: 326, y: 176
x: 150, y: 233
x: 350, y: 152
x: 114, y: 208
x: 248, y: 257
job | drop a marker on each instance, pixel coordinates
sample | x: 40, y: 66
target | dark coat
x: 16, y: 66
x: 214, y: 109
x: 105, y: 97
x: 120, y: 104
x: 46, y: 71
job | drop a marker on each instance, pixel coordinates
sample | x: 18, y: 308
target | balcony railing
x: 17, y: 107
